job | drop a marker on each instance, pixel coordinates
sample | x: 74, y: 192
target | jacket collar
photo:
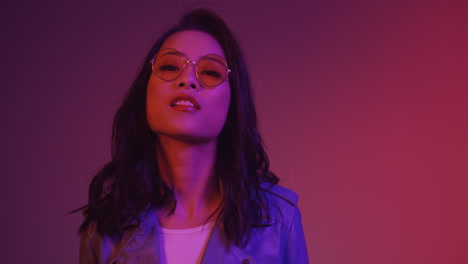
x: 217, y: 249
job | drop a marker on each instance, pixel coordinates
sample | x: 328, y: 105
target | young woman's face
x: 184, y: 108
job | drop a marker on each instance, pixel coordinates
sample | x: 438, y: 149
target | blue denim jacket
x: 282, y: 241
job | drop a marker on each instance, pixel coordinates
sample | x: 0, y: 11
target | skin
x: 188, y: 137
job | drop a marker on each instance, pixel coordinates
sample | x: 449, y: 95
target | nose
x: 191, y: 85
x: 188, y: 77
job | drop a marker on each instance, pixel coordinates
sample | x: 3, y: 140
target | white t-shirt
x: 183, y: 246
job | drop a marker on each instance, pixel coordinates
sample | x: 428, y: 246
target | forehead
x: 194, y: 44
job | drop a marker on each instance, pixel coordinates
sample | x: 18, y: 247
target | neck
x: 189, y: 168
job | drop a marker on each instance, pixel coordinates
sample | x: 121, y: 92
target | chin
x: 194, y: 139
x: 190, y: 132
x: 187, y: 136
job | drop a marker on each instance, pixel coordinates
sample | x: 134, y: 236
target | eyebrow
x: 173, y: 51
x: 215, y: 59
x: 176, y: 52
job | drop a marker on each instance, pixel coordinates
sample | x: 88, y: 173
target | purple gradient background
x: 363, y: 107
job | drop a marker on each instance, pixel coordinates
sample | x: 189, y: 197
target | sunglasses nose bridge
x: 194, y: 64
x: 185, y: 75
x: 187, y: 63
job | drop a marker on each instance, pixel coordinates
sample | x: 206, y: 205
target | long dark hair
x: 130, y: 184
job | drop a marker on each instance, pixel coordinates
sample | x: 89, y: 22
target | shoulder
x: 279, y: 192
x: 103, y: 248
x: 281, y: 203
x: 279, y: 238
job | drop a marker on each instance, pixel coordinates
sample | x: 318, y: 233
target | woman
x: 189, y: 181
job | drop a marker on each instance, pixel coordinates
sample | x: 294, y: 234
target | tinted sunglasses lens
x: 168, y: 66
x: 212, y: 70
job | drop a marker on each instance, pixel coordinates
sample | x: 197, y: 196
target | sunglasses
x: 210, y: 70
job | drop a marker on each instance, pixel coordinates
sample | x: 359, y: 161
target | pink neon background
x: 363, y: 107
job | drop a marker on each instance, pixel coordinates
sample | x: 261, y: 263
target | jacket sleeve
x: 87, y: 253
x: 296, y: 249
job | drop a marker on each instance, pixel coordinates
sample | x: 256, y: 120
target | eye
x: 211, y: 73
x: 168, y: 67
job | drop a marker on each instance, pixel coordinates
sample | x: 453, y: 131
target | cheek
x: 223, y: 100
x: 154, y: 102
x: 220, y: 108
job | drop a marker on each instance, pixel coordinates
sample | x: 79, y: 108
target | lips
x: 185, y: 102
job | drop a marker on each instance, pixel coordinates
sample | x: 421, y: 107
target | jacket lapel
x: 216, y: 247
x: 139, y: 244
x: 219, y: 250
